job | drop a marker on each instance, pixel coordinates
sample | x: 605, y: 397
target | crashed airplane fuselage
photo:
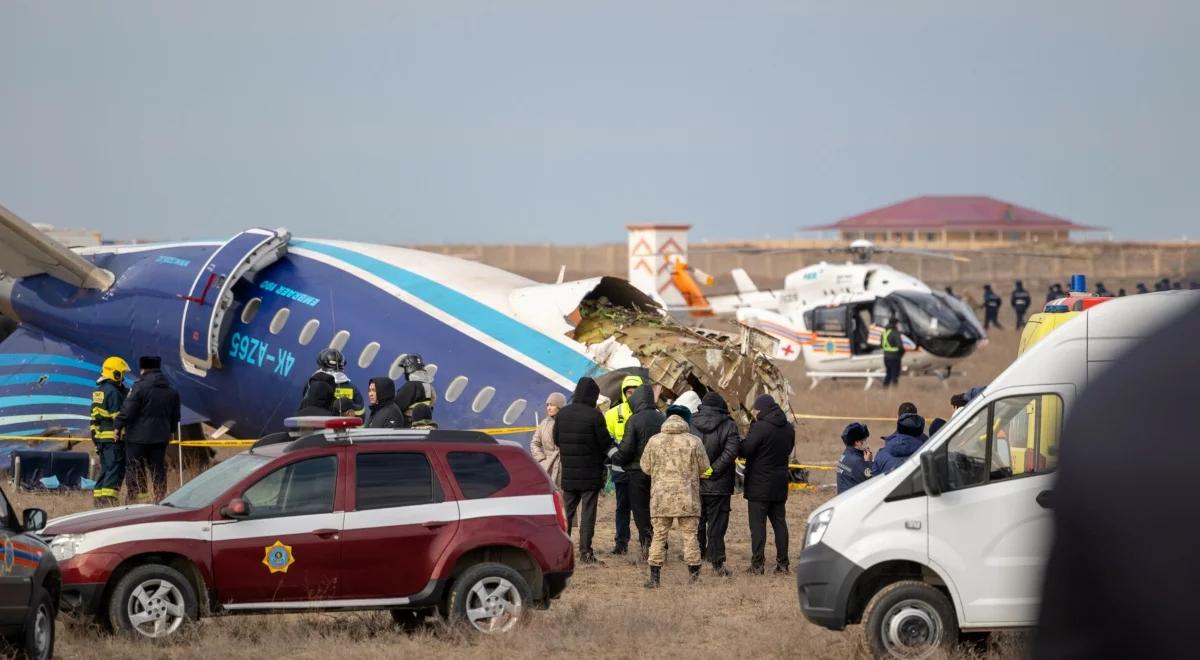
x: 239, y: 324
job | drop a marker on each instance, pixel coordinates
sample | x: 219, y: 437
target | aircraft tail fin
x: 45, y: 388
x: 742, y: 279
x: 26, y: 251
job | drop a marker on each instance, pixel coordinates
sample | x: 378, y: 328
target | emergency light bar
x: 314, y: 422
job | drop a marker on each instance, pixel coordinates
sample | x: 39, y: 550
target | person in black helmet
x: 418, y: 388
x: 854, y: 467
x: 1020, y: 300
x: 330, y: 365
x: 1141, y: 288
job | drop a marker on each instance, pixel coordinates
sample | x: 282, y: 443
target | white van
x: 956, y: 539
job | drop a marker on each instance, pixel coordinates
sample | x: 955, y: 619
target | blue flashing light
x: 1078, y: 284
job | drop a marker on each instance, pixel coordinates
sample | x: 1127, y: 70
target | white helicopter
x: 832, y: 314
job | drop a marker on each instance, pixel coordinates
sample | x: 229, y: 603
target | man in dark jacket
x: 719, y: 434
x: 147, y: 419
x: 318, y: 399
x: 854, y: 467
x: 645, y: 423
x: 1020, y: 300
x: 385, y: 414
x: 583, y: 443
x: 897, y: 447
x: 768, y: 450
x: 991, y: 307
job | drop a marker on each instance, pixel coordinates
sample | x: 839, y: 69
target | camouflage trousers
x: 691, y: 544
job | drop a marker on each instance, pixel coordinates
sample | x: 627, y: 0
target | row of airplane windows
x: 367, y: 356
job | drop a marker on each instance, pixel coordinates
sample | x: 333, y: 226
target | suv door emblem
x: 912, y: 524
x: 278, y: 557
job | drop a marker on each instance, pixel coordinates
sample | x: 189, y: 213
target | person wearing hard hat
x: 614, y: 419
x: 107, y: 399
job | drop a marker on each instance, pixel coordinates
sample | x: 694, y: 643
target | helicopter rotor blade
x: 922, y: 253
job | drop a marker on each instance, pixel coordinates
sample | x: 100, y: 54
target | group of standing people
x: 329, y: 392
x: 671, y: 469
x: 131, y: 428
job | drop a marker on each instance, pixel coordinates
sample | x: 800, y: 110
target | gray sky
x: 561, y: 121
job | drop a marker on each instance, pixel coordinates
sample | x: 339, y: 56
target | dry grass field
x: 605, y: 612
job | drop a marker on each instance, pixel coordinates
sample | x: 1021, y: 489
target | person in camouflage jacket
x: 675, y: 460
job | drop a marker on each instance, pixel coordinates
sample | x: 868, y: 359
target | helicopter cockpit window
x: 881, y: 313
x: 831, y: 321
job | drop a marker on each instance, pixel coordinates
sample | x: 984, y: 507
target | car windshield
x: 202, y: 490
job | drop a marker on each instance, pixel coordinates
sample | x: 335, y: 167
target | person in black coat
x: 148, y: 418
x: 719, y: 434
x: 318, y: 400
x: 385, y: 413
x: 583, y: 443
x: 645, y: 423
x: 768, y: 450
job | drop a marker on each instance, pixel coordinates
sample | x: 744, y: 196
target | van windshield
x: 201, y: 491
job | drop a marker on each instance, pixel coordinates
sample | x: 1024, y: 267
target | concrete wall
x: 1115, y: 264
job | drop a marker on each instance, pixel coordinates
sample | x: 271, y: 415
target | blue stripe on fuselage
x: 520, y: 337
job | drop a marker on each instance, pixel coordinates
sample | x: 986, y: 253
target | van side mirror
x: 33, y: 520
x: 930, y: 475
x: 237, y: 509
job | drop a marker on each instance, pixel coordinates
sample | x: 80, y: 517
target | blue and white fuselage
x: 499, y: 343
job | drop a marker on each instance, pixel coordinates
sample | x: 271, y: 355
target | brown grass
x: 605, y: 612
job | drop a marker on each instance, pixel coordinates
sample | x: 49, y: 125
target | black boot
x: 694, y: 573
x: 653, y: 582
x: 620, y: 549
x: 755, y: 569
x: 782, y: 567
x: 720, y: 570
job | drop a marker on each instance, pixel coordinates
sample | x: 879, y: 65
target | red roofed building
x: 947, y: 219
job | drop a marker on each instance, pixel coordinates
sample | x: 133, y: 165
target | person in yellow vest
x: 107, y: 399
x: 615, y: 420
x: 893, y: 352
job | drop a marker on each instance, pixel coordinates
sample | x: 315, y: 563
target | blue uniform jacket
x: 897, y: 447
x: 852, y: 469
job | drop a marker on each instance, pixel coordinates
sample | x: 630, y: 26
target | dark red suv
x: 415, y: 522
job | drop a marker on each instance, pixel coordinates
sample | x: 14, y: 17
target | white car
x: 956, y: 539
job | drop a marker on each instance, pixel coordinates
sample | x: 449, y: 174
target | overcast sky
x: 561, y: 121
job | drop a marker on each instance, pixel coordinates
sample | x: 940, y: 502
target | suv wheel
x: 910, y: 619
x: 152, y: 601
x: 36, y: 641
x: 490, y: 597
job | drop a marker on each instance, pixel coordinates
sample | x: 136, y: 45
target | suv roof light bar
x: 314, y: 422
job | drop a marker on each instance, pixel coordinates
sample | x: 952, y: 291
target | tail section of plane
x: 743, y: 282
x: 45, y: 388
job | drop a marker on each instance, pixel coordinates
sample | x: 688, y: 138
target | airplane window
x: 368, y: 355
x: 340, y: 339
x: 514, y: 410
x: 309, y: 331
x: 483, y: 399
x: 396, y: 371
x: 431, y: 369
x: 251, y: 309
x: 456, y: 388
x: 280, y: 319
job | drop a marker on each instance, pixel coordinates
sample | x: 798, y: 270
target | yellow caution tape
x: 837, y: 418
x: 224, y: 443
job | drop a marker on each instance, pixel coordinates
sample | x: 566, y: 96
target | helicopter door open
x: 211, y: 294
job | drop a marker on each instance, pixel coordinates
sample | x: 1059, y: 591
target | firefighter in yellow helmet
x: 106, y: 403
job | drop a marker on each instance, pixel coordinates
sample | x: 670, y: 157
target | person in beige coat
x: 542, y: 446
x: 675, y: 461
